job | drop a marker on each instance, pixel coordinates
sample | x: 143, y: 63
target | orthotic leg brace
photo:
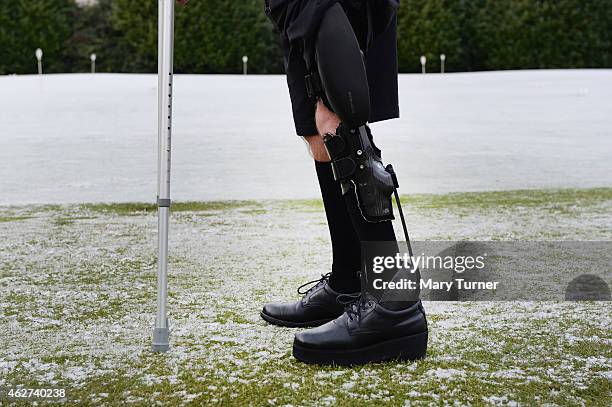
x: 354, y: 160
x: 337, y: 74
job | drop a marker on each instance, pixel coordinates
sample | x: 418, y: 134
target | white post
x: 423, y: 62
x: 39, y: 55
x: 92, y: 57
x: 245, y: 60
x: 161, y: 331
x: 442, y: 59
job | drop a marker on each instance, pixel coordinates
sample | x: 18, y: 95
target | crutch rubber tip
x: 161, y: 340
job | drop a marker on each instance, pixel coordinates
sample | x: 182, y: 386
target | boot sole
x: 292, y: 324
x: 411, y: 347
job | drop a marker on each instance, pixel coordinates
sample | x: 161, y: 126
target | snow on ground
x: 84, y: 138
x: 77, y: 298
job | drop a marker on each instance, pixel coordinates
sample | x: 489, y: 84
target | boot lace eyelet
x: 317, y: 283
x: 354, y: 304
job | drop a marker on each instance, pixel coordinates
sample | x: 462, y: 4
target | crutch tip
x: 161, y: 340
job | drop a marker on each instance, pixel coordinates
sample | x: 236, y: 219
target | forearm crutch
x: 165, y: 51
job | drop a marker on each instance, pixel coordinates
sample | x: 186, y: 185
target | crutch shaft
x: 165, y: 46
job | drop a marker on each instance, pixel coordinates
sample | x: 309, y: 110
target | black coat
x: 298, y: 19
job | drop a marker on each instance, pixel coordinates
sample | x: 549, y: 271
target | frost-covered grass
x: 77, y: 298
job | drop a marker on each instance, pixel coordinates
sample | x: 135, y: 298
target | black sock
x: 373, y: 232
x: 346, y: 248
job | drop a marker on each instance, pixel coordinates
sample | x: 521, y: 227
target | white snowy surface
x: 84, y: 138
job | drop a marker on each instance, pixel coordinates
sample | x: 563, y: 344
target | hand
x: 182, y: 2
x: 326, y: 120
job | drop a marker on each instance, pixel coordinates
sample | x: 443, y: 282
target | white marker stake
x: 39, y: 55
x: 92, y: 57
x: 442, y: 59
x: 245, y: 60
x: 423, y: 62
x: 165, y: 49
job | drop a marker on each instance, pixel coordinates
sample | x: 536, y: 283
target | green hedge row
x: 212, y: 35
x: 505, y: 34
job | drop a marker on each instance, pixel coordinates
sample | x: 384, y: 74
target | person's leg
x: 346, y: 247
x: 371, y: 328
x: 319, y: 304
x: 327, y: 122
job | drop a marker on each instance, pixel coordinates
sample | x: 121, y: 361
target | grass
x: 142, y: 208
x: 77, y: 300
x: 558, y: 198
x: 13, y: 218
x: 518, y: 198
x: 552, y: 199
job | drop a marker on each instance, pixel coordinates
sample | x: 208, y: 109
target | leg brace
x: 340, y: 77
x: 354, y: 160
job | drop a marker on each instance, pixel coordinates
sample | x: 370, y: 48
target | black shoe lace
x: 324, y: 278
x: 354, y: 304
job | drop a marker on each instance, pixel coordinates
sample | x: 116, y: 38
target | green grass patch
x: 231, y: 317
x: 512, y: 199
x: 63, y: 221
x: 559, y: 200
x: 65, y: 287
x: 14, y: 218
x: 138, y: 208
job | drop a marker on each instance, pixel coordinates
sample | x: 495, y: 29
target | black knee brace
x: 340, y: 77
x: 341, y: 68
x: 354, y: 160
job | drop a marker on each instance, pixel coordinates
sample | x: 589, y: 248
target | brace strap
x: 343, y: 165
x: 336, y: 147
x: 343, y: 168
x: 314, y: 88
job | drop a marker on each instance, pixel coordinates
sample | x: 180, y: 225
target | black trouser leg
x: 346, y: 248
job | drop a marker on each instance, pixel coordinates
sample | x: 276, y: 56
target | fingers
x: 326, y: 120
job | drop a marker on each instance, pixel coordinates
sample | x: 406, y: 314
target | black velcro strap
x: 335, y: 146
x: 313, y: 85
x: 343, y: 168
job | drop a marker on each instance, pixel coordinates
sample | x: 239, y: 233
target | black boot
x: 317, y: 307
x: 365, y: 332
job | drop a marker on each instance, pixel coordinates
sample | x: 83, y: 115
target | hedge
x: 213, y: 35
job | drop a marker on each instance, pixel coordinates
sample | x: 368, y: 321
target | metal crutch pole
x: 165, y: 45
